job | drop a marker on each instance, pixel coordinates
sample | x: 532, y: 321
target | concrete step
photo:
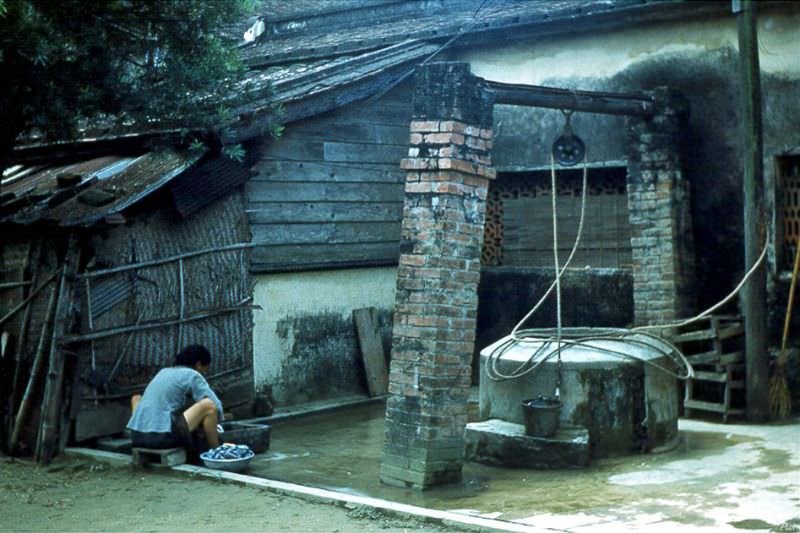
x: 498, y: 442
x: 119, y: 445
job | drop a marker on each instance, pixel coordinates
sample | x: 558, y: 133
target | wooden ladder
x: 714, y: 348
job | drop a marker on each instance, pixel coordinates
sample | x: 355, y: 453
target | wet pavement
x: 730, y: 477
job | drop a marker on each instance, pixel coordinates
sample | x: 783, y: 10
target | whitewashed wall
x: 304, y: 340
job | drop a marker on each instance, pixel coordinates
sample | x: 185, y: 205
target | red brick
x: 412, y: 260
x: 418, y: 163
x: 452, y: 125
x: 423, y: 125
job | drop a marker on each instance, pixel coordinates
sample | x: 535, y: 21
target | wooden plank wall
x: 329, y: 192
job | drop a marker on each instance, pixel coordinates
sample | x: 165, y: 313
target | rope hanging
x: 519, y: 335
x: 557, y: 269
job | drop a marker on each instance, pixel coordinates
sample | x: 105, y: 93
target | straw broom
x: 780, y: 397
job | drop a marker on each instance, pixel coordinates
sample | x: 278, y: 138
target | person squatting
x: 160, y: 418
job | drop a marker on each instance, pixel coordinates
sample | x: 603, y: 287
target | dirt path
x: 79, y: 495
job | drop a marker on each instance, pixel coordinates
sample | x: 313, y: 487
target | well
x: 618, y: 384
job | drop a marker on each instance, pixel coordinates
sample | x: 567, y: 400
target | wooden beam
x: 754, y: 296
x: 165, y: 260
x: 27, y: 299
x: 110, y: 332
x: 555, y: 98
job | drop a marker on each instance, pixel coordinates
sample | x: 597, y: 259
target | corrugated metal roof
x: 207, y: 182
x: 100, y: 186
x: 26, y: 180
x: 107, y: 292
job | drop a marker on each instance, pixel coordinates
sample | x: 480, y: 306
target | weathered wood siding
x: 329, y: 192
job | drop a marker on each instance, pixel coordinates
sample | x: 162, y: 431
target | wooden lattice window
x: 518, y: 230
x: 789, y: 180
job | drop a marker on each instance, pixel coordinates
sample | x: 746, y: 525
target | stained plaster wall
x: 700, y: 59
x: 304, y: 342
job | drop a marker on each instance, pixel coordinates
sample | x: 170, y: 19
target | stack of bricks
x: 659, y: 212
x: 448, y: 172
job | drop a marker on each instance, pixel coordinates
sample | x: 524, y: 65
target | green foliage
x: 234, y: 151
x: 142, y: 64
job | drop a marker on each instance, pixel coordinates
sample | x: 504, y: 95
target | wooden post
x: 754, y: 292
x: 48, y: 441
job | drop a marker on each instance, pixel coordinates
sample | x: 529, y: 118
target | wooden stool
x: 155, y: 457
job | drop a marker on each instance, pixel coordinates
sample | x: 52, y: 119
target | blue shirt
x: 166, y: 393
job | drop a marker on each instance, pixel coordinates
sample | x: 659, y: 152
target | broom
x: 780, y: 397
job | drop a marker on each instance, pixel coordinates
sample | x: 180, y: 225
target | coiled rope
x: 546, y: 338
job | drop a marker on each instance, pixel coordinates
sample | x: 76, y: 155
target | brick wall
x: 659, y: 212
x: 448, y: 171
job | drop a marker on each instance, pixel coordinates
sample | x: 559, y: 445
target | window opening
x: 519, y: 228
x: 789, y: 180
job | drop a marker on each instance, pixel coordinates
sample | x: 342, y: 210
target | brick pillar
x: 448, y: 172
x: 659, y: 212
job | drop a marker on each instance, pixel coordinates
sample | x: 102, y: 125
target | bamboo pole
x: 27, y: 299
x: 34, y: 261
x: 14, y: 284
x: 89, y: 319
x: 182, y: 307
x: 36, y: 369
x: 171, y: 259
x: 118, y: 361
x: 110, y: 332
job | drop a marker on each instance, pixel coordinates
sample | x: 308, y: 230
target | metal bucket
x: 541, y: 416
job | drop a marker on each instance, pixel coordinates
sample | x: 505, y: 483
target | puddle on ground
x: 342, y: 451
x: 752, y: 524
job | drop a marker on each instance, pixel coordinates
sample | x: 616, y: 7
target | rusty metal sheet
x: 108, y: 185
x: 206, y: 183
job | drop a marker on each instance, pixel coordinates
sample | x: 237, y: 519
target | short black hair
x: 192, y: 354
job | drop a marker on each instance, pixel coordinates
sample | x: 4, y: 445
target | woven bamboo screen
x: 519, y: 226
x: 789, y: 180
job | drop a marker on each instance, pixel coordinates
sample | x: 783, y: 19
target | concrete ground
x: 722, y: 477
x: 751, y: 482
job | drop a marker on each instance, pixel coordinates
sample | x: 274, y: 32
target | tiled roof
x: 315, y: 56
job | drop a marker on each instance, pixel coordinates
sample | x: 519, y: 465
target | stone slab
x: 158, y: 457
x: 498, y: 442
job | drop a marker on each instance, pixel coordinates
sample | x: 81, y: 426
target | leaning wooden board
x: 369, y: 340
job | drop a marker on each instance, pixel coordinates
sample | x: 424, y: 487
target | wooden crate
x: 714, y: 347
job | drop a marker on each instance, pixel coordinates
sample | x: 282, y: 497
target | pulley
x: 568, y: 149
